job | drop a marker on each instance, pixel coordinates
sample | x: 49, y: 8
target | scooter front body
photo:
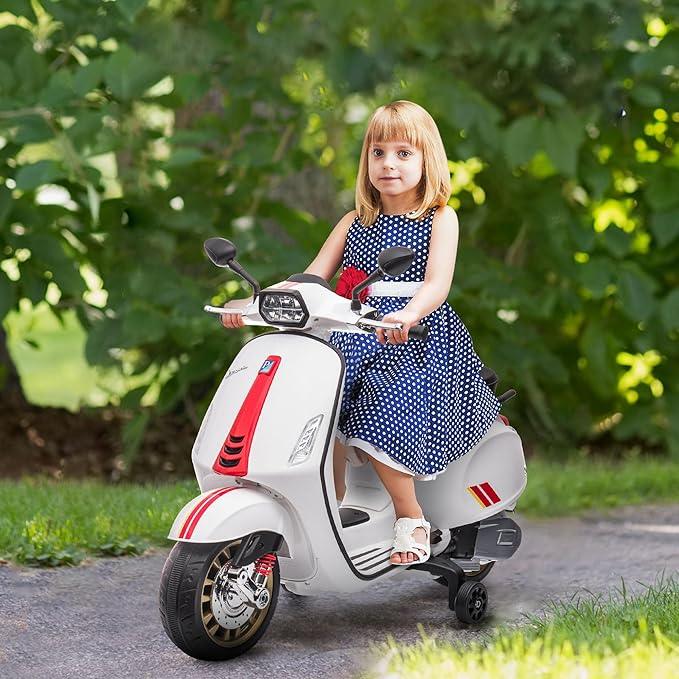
x: 270, y: 429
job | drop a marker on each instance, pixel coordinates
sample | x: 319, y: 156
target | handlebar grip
x: 419, y: 332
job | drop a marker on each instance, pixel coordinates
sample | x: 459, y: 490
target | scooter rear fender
x: 232, y: 512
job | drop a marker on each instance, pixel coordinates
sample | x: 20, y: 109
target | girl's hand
x: 406, y: 318
x: 233, y: 321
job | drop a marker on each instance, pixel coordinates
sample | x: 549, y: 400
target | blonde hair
x: 404, y: 120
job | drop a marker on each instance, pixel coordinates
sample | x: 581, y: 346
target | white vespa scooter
x: 267, y: 515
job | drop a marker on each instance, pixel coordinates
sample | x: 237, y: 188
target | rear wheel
x: 210, y: 610
x: 471, y: 602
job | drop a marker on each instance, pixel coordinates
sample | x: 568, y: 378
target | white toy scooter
x: 267, y: 515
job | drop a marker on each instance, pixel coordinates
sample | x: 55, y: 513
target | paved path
x: 101, y: 619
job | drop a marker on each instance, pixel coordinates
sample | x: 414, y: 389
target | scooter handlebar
x: 419, y: 331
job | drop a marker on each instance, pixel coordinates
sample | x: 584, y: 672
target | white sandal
x: 405, y: 542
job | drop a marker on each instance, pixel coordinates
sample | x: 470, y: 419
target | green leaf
x: 103, y: 335
x: 661, y: 187
x: 20, y: 8
x: 29, y: 177
x: 521, y: 140
x: 130, y: 8
x: 664, y: 225
x: 133, y: 436
x: 669, y: 311
x: 7, y: 295
x: 33, y: 284
x: 561, y: 139
x: 32, y: 129
x: 143, y: 326
x: 5, y: 204
x: 635, y: 290
x: 47, y: 250
x: 89, y: 77
x: 646, y: 96
x: 183, y: 156
x: 133, y: 398
x: 596, y: 275
x: 129, y: 74
x: 550, y: 96
x: 601, y: 367
x: 617, y: 241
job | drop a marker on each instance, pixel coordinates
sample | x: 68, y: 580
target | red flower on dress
x: 348, y: 280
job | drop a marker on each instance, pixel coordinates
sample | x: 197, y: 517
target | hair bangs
x: 395, y: 124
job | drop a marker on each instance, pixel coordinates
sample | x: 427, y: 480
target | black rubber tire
x: 477, y: 577
x: 180, y: 592
x: 471, y: 602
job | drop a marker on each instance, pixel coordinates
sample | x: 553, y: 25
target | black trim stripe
x: 331, y: 433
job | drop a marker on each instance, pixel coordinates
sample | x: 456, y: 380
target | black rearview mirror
x: 220, y: 251
x: 395, y: 261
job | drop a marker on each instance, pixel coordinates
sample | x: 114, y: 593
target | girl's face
x: 394, y: 167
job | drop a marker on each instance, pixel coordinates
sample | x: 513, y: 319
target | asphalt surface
x: 101, y: 619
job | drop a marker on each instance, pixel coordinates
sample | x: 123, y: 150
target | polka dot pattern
x: 423, y: 405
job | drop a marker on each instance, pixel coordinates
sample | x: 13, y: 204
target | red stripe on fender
x: 198, y: 511
x: 479, y: 493
x: 236, y: 447
x: 490, y: 492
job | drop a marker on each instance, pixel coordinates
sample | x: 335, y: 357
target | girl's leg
x: 339, y: 465
x: 401, y: 487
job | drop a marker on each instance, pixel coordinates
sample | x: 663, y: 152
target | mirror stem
x: 375, y: 276
x: 238, y: 269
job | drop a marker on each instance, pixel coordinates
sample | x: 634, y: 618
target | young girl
x: 409, y: 407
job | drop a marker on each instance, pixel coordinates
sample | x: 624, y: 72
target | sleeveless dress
x: 415, y: 406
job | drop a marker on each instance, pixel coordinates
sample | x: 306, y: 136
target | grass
x: 613, y: 636
x: 574, y: 486
x: 53, y: 523
x: 46, y: 522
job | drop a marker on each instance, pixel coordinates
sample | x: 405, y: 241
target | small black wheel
x: 204, y: 604
x: 471, y: 602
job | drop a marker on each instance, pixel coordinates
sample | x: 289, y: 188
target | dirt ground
x: 57, y: 443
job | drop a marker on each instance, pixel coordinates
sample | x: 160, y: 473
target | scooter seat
x: 309, y: 278
x: 489, y: 376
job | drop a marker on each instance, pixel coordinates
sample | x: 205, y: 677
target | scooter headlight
x: 283, y: 308
x: 305, y: 443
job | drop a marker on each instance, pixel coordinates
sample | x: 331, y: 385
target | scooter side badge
x: 484, y: 494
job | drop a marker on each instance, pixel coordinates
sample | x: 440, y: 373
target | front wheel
x: 210, y: 610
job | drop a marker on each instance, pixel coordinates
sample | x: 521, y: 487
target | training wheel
x: 471, y: 602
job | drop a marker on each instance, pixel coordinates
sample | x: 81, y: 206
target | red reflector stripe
x: 490, y: 492
x: 479, y: 494
x: 505, y: 419
x: 200, y: 509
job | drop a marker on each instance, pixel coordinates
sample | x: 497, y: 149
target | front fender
x: 230, y: 513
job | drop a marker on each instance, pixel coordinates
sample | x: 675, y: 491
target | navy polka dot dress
x: 414, y: 406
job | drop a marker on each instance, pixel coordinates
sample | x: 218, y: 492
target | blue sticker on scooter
x: 266, y: 366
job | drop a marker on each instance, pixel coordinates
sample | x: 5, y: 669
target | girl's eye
x: 405, y: 153
x: 377, y: 152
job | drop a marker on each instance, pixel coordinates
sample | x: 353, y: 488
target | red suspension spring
x: 264, y: 565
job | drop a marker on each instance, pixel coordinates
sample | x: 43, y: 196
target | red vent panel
x: 232, y: 459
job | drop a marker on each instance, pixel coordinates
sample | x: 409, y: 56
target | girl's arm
x: 440, y: 264
x: 329, y: 257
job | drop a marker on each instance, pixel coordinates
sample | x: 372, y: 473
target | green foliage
x: 610, y: 636
x: 45, y: 523
x: 131, y: 131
